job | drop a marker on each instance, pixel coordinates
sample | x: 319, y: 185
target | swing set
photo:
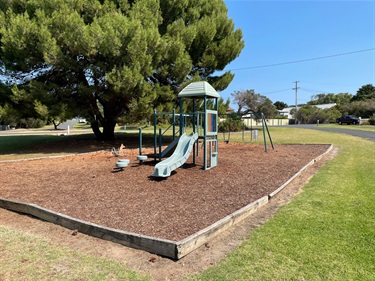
x: 264, y: 130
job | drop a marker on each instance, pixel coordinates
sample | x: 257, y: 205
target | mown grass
x: 351, y: 127
x: 25, y: 257
x: 325, y: 233
x: 12, y: 144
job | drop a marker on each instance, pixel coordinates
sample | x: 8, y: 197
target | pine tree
x: 117, y: 57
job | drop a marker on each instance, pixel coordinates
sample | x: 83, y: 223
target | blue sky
x: 278, y: 32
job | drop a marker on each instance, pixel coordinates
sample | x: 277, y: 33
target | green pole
x: 194, y: 117
x: 264, y: 134
x: 195, y: 147
x: 174, y: 124
x: 140, y: 141
x: 268, y: 132
x: 155, y: 142
x: 160, y: 140
x: 181, y: 118
x: 217, y: 125
x: 205, y: 135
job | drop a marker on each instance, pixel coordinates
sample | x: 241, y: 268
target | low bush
x: 31, y: 123
x: 231, y: 124
x: 365, y: 123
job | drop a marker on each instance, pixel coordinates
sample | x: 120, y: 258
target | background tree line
x: 362, y: 105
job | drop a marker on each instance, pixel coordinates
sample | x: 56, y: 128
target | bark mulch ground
x: 86, y: 186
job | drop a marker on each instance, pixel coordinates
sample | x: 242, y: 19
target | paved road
x: 70, y: 123
x: 62, y: 129
x: 357, y: 133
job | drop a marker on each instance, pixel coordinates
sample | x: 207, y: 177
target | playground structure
x: 178, y: 158
x: 204, y: 126
x: 158, y: 135
x: 205, y: 123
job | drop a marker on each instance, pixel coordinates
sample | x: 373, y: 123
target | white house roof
x: 321, y: 106
x: 286, y: 111
x: 199, y: 89
x: 325, y: 106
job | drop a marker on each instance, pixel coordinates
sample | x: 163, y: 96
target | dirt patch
x: 85, y: 187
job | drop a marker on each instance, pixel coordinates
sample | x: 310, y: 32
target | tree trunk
x: 109, y: 129
x: 108, y: 132
x: 95, y: 129
x: 107, y: 119
x: 55, y: 125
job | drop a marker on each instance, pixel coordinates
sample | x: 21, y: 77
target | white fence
x: 249, y: 122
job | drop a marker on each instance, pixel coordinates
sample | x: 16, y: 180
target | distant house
x: 286, y: 111
x: 230, y: 110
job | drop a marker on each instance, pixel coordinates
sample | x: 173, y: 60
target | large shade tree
x: 115, y: 57
x: 250, y: 102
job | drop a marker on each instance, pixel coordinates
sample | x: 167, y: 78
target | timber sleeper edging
x: 163, y: 247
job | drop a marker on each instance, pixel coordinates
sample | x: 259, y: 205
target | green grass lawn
x: 27, y: 257
x: 327, y: 232
x: 351, y: 127
x: 13, y: 144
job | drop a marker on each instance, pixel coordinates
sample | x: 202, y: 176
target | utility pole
x: 296, y: 88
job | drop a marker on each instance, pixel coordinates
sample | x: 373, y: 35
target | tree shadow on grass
x: 72, y: 144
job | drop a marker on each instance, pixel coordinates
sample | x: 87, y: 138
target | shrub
x: 8, y: 116
x: 310, y: 115
x: 32, y: 123
x: 364, y: 108
x: 365, y: 123
x: 232, y: 123
x: 372, y: 120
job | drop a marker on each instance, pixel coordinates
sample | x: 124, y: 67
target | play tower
x: 205, y: 123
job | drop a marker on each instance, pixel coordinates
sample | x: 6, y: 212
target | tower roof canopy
x: 198, y: 89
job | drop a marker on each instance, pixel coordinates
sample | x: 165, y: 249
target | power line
x: 304, y: 60
x: 312, y: 90
x: 278, y: 91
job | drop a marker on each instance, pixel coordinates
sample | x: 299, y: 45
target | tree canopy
x: 223, y: 106
x: 250, y: 102
x: 366, y: 92
x: 280, y: 105
x: 108, y: 58
x: 310, y: 114
x: 339, y: 99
